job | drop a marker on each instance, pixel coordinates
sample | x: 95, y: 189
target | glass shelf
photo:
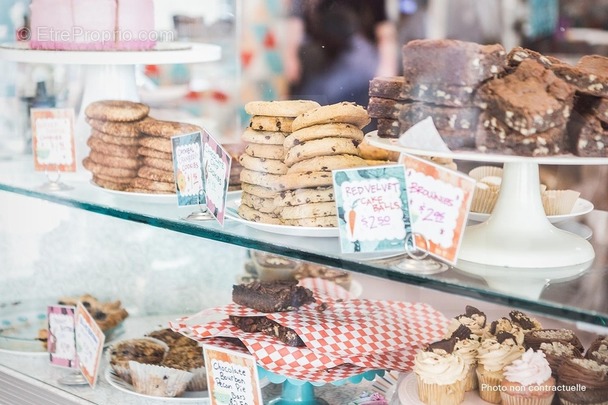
x: 582, y: 297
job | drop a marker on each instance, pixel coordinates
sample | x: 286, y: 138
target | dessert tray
x: 581, y: 207
x: 234, y: 201
x: 199, y: 397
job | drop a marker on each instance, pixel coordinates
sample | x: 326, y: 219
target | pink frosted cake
x: 92, y: 25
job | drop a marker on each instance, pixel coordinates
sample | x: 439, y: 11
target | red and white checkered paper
x: 345, y: 339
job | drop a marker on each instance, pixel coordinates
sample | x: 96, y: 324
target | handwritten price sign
x: 439, y: 201
x: 53, y: 139
x: 216, y: 173
x: 188, y: 168
x: 372, y: 208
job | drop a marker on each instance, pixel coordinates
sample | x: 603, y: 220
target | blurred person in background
x: 335, y: 47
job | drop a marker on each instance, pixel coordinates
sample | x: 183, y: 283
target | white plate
x: 581, y: 207
x: 234, y: 201
x: 140, y: 197
x: 201, y: 397
x: 408, y: 393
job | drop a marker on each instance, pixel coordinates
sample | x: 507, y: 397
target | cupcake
x: 534, y: 338
x: 582, y: 381
x: 473, y: 319
x: 504, y: 325
x: 559, y: 202
x: 480, y: 172
x: 440, y: 374
x: 525, y: 322
x: 142, y: 350
x: 158, y: 381
x: 188, y: 358
x: 493, y: 356
x: 557, y: 352
x: 484, y: 198
x: 598, y: 350
x: 528, y: 381
x: 467, y: 349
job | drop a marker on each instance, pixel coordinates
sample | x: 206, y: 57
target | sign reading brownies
x: 188, y: 168
x: 216, y: 176
x: 372, y: 209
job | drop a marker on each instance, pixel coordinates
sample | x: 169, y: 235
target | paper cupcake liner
x: 123, y: 372
x: 508, y: 399
x: 122, y: 368
x: 470, y: 382
x: 433, y: 394
x: 149, y: 379
x: 559, y: 202
x: 480, y: 172
x: 199, y: 380
x: 489, y: 386
x: 484, y: 199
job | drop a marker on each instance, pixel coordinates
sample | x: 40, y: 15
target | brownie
x: 597, y: 106
x: 519, y: 54
x: 588, y: 76
x: 498, y: 137
x: 588, y: 136
x: 450, y: 118
x: 384, y: 107
x: 534, y: 338
x: 261, y: 324
x: 272, y: 296
x: 529, y: 100
x: 388, y: 128
x: 451, y: 62
x: 387, y: 87
x: 440, y: 94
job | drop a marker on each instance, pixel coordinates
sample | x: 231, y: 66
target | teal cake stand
x: 298, y: 392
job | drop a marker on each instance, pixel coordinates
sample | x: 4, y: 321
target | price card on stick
x: 89, y: 344
x: 232, y: 377
x: 188, y: 169
x: 372, y: 206
x: 216, y: 175
x: 53, y: 139
x: 439, y: 202
x: 61, y: 338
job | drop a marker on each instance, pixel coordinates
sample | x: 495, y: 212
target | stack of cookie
x: 113, y: 158
x: 156, y: 172
x: 262, y: 161
x: 323, y: 139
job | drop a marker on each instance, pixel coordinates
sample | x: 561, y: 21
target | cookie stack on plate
x: 114, y: 141
x: 156, y: 172
x: 262, y: 161
x: 323, y: 139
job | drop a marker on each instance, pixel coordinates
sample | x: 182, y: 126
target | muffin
x: 493, y: 356
x: 504, y: 325
x: 557, y: 352
x: 440, y: 374
x: 598, y: 350
x: 159, y: 381
x: 189, y: 358
x: 473, y: 319
x: 172, y: 338
x: 582, y: 381
x: 142, y: 350
x: 528, y: 381
x: 534, y: 338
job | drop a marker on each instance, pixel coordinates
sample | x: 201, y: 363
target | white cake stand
x: 111, y: 74
x: 518, y: 233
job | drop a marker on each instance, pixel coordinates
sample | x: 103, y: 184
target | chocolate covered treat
x: 557, y: 352
x: 529, y: 100
x: 267, y: 326
x: 473, y: 319
x: 534, y: 338
x: 524, y: 321
x: 589, y: 379
x: 588, y: 76
x: 274, y: 296
x: 598, y: 350
x: 387, y: 87
x: 455, y: 63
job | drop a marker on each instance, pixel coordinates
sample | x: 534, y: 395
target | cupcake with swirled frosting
x: 440, y: 374
x: 528, y: 381
x: 466, y: 346
x: 493, y: 356
x: 473, y: 319
x: 504, y: 325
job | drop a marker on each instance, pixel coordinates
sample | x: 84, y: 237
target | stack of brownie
x: 386, y: 99
x: 441, y: 78
x: 269, y: 297
x: 588, y: 127
x: 526, y: 111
